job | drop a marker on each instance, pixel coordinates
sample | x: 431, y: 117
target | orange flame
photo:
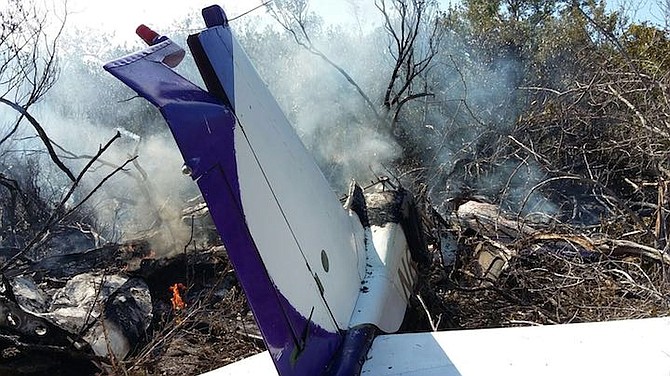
x: 177, y: 301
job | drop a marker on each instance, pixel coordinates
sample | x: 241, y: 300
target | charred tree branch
x: 43, y: 136
x: 57, y: 213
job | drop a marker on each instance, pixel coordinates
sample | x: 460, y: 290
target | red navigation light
x: 172, y: 56
x: 147, y: 35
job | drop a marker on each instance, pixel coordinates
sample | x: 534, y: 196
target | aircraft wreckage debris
x: 78, y: 311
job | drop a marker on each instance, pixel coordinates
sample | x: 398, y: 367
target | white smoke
x: 473, y: 100
x: 475, y: 105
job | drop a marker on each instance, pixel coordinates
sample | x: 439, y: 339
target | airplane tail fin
x: 319, y: 279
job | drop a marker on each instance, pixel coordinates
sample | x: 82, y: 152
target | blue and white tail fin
x: 320, y: 278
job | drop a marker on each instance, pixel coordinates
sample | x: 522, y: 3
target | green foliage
x: 649, y: 46
x: 552, y: 87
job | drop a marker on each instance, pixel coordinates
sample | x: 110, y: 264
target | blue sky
x: 645, y: 10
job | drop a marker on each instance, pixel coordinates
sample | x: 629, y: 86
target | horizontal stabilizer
x: 627, y: 347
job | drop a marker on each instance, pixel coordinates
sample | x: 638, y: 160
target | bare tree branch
x: 58, y: 213
x: 413, y: 27
x: 43, y: 136
x: 292, y: 16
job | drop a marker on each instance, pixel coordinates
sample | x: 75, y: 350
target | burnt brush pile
x: 497, y: 268
x: 73, y: 306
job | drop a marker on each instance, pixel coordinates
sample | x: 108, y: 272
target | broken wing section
x: 301, y: 336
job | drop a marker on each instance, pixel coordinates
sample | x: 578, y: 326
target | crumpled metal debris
x: 92, y: 313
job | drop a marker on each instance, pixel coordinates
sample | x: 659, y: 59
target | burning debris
x: 129, y: 311
x: 177, y: 302
x: 95, y: 315
x: 73, y: 310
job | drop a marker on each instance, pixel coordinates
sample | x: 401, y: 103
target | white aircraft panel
x: 317, y: 220
x: 255, y: 365
x: 629, y: 347
x: 385, y: 296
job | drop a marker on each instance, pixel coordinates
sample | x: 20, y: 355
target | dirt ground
x: 215, y: 327
x: 553, y: 281
x: 545, y: 285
